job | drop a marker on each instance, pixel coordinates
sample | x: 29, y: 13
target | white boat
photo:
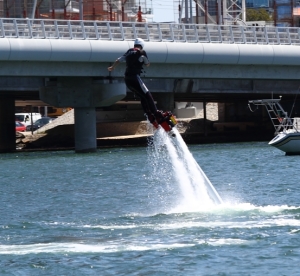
x: 287, y: 130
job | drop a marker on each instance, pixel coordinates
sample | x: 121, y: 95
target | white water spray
x: 196, y: 191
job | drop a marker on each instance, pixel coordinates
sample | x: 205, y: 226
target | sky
x: 164, y: 10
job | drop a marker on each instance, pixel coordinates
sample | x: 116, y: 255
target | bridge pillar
x: 165, y: 101
x: 85, y: 129
x: 84, y: 94
x: 7, y: 125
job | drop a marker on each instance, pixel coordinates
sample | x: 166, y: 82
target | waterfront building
x: 102, y: 10
x: 282, y: 12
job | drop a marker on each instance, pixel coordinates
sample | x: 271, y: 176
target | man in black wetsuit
x: 135, y: 58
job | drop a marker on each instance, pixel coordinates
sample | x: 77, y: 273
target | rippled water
x: 121, y: 212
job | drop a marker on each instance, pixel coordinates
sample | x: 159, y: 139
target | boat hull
x: 287, y: 142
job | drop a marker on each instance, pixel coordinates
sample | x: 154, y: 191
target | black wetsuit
x: 135, y: 59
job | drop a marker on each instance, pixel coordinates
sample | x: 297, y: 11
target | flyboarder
x: 135, y: 58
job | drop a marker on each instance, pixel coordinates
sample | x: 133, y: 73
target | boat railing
x: 279, y: 117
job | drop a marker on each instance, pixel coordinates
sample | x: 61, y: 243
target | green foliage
x: 257, y: 15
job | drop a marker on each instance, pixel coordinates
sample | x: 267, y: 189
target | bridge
x: 64, y: 63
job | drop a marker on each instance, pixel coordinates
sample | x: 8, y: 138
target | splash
x: 172, y: 161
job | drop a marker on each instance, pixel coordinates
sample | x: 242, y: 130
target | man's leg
x: 155, y: 116
x: 136, y: 85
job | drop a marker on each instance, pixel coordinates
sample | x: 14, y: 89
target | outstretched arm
x: 111, y: 68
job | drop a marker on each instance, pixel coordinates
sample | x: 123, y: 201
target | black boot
x: 159, y: 116
x: 152, y: 119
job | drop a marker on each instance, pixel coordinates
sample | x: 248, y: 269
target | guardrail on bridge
x: 155, y: 32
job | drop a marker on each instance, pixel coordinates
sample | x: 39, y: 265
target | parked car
x: 39, y: 123
x: 25, y: 118
x: 20, y: 126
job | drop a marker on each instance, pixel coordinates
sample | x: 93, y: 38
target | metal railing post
x: 96, y: 30
x: 266, y: 35
x: 122, y: 30
x: 56, y: 29
x: 83, y: 30
x: 147, y: 31
x: 254, y: 34
x: 16, y: 27
x: 43, y: 28
x: 196, y: 33
x: 243, y: 35
x: 70, y: 29
x: 231, y: 34
x: 29, y: 27
x: 184, y: 33
x: 277, y: 36
x: 109, y: 30
x: 289, y: 36
x: 208, y: 34
x: 220, y: 34
x: 159, y: 32
x: 172, y: 32
x: 2, y: 27
x: 134, y: 31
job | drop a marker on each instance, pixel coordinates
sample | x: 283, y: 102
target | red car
x: 20, y: 126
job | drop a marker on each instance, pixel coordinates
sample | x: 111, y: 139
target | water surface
x: 121, y: 212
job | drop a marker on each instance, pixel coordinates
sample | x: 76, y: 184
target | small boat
x: 287, y: 130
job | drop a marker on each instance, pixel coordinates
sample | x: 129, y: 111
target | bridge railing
x: 172, y: 32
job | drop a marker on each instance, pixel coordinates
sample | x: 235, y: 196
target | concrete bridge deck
x: 65, y: 64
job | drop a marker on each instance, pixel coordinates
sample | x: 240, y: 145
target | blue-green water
x: 120, y: 212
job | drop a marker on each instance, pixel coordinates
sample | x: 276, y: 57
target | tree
x: 257, y: 15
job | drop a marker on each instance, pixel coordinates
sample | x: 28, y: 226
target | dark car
x: 20, y: 126
x: 39, y: 123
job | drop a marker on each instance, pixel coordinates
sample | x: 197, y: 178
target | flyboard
x: 192, y: 169
x: 167, y: 122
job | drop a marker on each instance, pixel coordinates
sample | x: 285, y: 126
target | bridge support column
x: 7, y: 125
x: 84, y: 94
x: 165, y: 101
x: 85, y: 129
